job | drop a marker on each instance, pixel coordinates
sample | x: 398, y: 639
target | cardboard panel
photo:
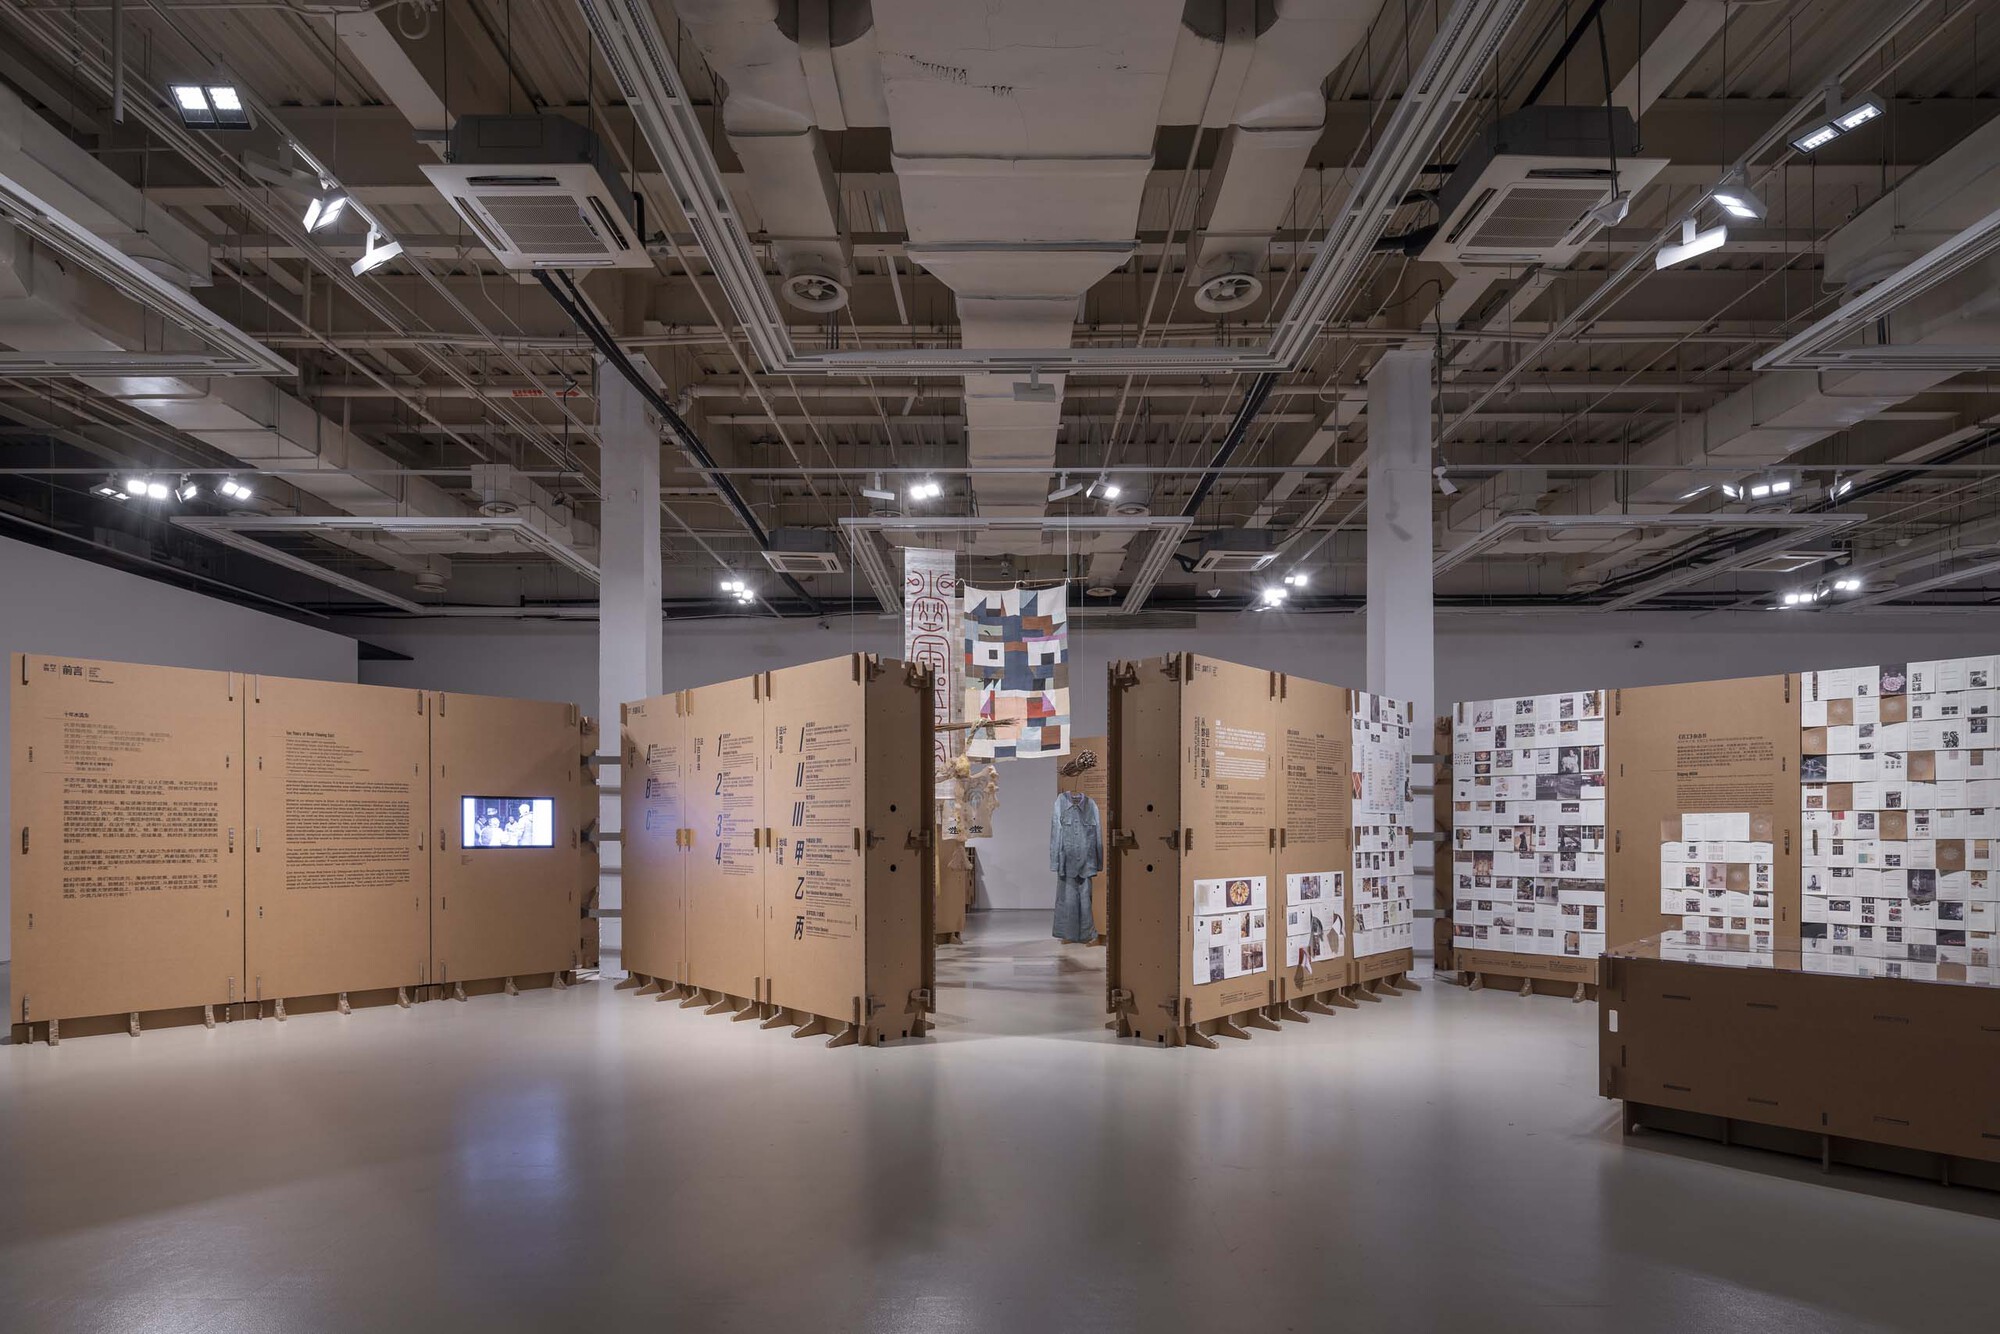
x: 815, y: 727
x: 653, y: 802
x: 1887, y: 1061
x: 1095, y: 783
x: 507, y: 911
x: 725, y: 860
x: 125, y: 838
x: 1230, y: 757
x: 900, y: 931
x: 1150, y: 948
x: 954, y: 886
x: 337, y: 801
x: 1381, y: 892
x: 1314, y: 861
x: 1707, y: 746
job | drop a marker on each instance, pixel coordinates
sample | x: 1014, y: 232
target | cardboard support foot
x: 345, y: 1008
x: 55, y: 1033
x: 402, y: 998
x: 633, y: 981
x: 1405, y: 983
x: 778, y: 1019
x: 132, y: 1023
x: 1365, y: 993
x: 1225, y: 1029
x: 812, y: 1028
x: 511, y: 990
x: 559, y: 980
x: 652, y: 985
x: 848, y: 1036
x: 692, y: 999
x: 1258, y: 1019
x: 750, y: 1010
x: 1194, y: 1037
x: 1578, y: 998
x: 458, y: 991
x: 279, y: 1006
x: 1527, y: 986
x: 208, y: 1016
x: 1314, y: 1005
x: 723, y: 1006
x: 1478, y: 983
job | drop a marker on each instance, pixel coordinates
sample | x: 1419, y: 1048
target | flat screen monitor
x: 508, y: 822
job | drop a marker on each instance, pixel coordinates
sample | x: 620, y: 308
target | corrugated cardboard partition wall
x: 127, y: 847
x: 779, y: 860
x: 1230, y: 806
x: 1708, y: 746
x: 508, y: 912
x: 337, y: 804
x: 183, y: 840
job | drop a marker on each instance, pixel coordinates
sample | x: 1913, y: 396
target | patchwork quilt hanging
x: 1017, y: 671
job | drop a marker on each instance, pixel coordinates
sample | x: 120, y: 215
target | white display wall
x: 1527, y: 839
x: 1900, y: 784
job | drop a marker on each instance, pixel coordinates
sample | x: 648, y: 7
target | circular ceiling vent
x: 1228, y: 291
x: 430, y: 581
x: 499, y: 509
x: 1131, y: 507
x: 815, y: 292
x: 1101, y: 591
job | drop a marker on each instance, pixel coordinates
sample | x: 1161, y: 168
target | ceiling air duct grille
x: 540, y: 193
x: 1534, y: 217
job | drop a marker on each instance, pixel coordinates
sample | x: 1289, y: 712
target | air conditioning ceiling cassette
x: 539, y: 193
x: 1523, y: 192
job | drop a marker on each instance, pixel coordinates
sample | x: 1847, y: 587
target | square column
x: 630, y: 642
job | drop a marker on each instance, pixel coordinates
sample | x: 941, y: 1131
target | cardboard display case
x: 1876, y: 1070
x: 781, y: 863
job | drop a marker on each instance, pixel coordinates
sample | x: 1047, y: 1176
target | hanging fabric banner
x: 930, y: 637
x: 1017, y: 671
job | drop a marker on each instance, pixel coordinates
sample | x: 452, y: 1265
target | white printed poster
x: 1315, y: 918
x: 1231, y: 928
x: 1383, y: 890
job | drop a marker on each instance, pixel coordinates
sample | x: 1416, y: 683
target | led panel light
x: 324, y: 211
x: 1858, y: 112
x: 215, y: 106
x: 1818, y: 137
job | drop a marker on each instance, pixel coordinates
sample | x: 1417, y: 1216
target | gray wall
x: 56, y: 604
x: 1479, y: 656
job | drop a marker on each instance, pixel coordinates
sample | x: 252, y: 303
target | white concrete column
x: 630, y: 639
x: 1401, y: 645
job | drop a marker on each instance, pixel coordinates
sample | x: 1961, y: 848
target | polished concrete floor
x: 564, y: 1160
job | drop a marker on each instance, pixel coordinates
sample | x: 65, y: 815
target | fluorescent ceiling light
x: 1692, y: 243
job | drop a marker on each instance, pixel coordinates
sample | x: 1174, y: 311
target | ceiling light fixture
x: 876, y: 491
x: 1840, y: 118
x: 1692, y: 244
x: 1065, y: 488
x: 234, y: 489
x: 157, y: 491
x: 214, y: 106
x: 1445, y: 485
x: 1736, y: 199
x: 1296, y: 579
x: 110, y: 490
x: 928, y: 489
x: 1274, y: 595
x: 186, y: 490
x: 324, y: 211
x: 1848, y: 585
x: 379, y: 251
x: 1698, y: 491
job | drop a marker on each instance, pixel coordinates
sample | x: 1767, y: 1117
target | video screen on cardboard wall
x: 508, y: 822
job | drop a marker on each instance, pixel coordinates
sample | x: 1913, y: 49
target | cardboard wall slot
x: 1232, y: 871
x: 785, y: 854
x: 242, y: 838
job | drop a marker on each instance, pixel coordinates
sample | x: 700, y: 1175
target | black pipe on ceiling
x: 578, y: 309
x: 1562, y: 53
x: 1239, y: 427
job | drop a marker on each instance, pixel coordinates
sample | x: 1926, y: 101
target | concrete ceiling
x: 1017, y: 175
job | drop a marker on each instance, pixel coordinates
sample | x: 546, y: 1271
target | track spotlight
x: 185, y: 490
x: 157, y: 491
x: 928, y: 489
x: 876, y: 491
x: 324, y: 211
x: 1274, y: 595
x: 379, y: 251
x: 110, y: 490
x: 1296, y: 579
x: 234, y: 490
x: 1065, y: 488
x: 1736, y: 199
x: 1445, y: 485
x: 1840, y: 118
x: 1692, y: 243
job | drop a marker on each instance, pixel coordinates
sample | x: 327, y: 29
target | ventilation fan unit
x: 1524, y: 191
x: 540, y: 193
x: 803, y: 551
x: 1236, y: 551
